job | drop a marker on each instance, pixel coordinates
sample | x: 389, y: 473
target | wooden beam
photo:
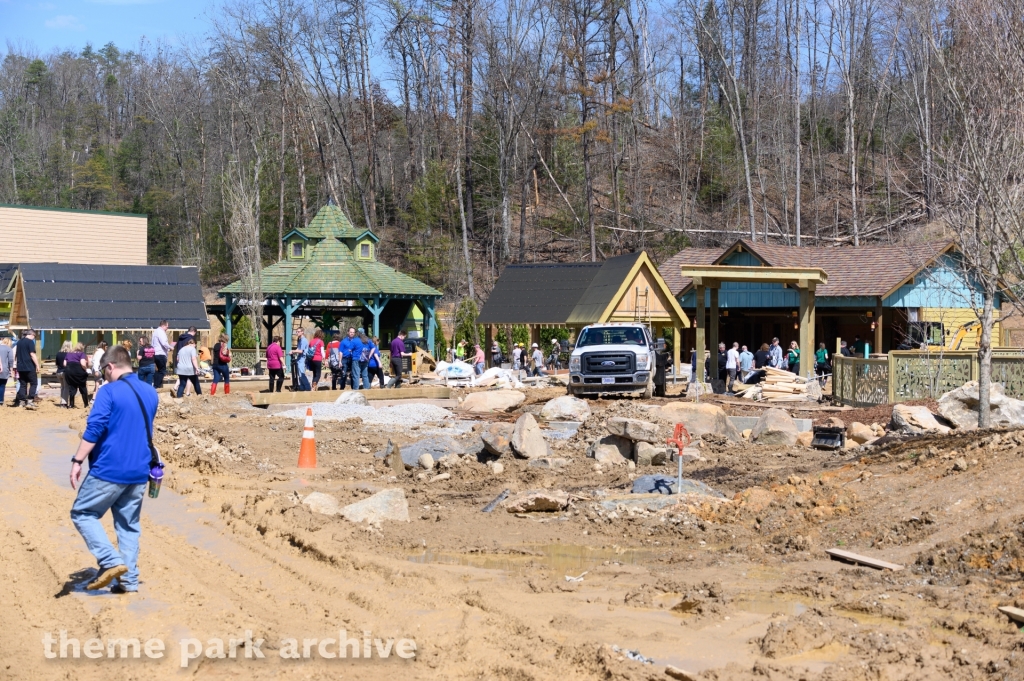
x: 850, y: 557
x: 307, y: 397
x: 1015, y: 614
x: 713, y: 332
x: 777, y: 275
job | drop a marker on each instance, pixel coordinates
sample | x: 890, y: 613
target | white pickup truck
x: 614, y: 357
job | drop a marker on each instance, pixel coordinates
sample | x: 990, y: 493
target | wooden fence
x: 914, y: 375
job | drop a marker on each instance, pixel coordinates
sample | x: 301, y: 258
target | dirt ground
x: 736, y: 589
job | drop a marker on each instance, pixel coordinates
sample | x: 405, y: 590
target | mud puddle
x: 568, y: 558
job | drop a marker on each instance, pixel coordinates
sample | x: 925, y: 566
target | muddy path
x: 732, y: 591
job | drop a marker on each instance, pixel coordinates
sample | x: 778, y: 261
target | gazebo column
x: 429, y: 322
x: 375, y: 308
x: 488, y: 340
x: 699, y: 343
x: 713, y: 332
x: 289, y: 309
x: 229, y: 312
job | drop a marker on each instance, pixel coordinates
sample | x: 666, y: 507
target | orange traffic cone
x: 307, y: 452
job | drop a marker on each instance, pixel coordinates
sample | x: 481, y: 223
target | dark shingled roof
x: 870, y: 270
x: 669, y: 271
x: 7, y: 271
x: 539, y: 293
x: 602, y: 289
x: 112, y: 297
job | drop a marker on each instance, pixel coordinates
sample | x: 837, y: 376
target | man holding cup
x: 116, y: 442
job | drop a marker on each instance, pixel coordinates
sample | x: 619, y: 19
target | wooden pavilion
x: 625, y: 288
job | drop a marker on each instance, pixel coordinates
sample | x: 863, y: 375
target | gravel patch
x: 398, y: 416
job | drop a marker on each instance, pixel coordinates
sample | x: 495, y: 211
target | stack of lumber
x: 778, y: 386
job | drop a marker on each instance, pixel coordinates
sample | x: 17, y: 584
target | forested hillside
x: 472, y: 134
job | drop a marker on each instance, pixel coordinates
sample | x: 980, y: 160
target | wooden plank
x: 1015, y: 614
x: 307, y: 397
x: 850, y: 557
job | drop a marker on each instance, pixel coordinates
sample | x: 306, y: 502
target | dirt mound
x: 997, y: 551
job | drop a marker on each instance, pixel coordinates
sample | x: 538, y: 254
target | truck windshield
x: 611, y: 336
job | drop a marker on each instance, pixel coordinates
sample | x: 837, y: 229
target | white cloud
x: 65, y: 22
x: 124, y: 2
x: 47, y: 6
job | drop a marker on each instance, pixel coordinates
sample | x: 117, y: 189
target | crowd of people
x: 532, y: 360
x: 353, y: 360
x: 737, y: 363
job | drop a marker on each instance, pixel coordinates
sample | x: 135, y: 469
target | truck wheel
x: 649, y: 390
x: 569, y: 391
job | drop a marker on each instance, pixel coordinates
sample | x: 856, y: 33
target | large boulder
x: 492, y: 400
x: 775, y: 427
x: 527, y: 439
x: 699, y: 419
x: 646, y: 454
x: 961, y: 407
x: 497, y: 438
x: 389, y: 504
x: 611, y: 449
x: 437, y: 446
x: 859, y: 433
x: 566, y: 408
x: 318, y: 502
x: 914, y: 420
x: 541, y: 501
x: 351, y: 397
x: 635, y: 429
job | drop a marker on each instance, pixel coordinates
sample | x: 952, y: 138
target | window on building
x: 364, y: 250
x: 296, y: 249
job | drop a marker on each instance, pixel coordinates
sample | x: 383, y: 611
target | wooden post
x: 878, y: 325
x: 489, y: 339
x: 699, y: 344
x: 713, y: 333
x: 806, y: 331
x: 677, y: 341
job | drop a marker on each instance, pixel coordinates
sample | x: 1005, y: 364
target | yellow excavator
x: 934, y: 335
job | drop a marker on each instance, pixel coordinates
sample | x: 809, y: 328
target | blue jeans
x: 221, y: 372
x: 147, y: 373
x: 95, y: 498
x: 364, y: 373
x: 348, y: 372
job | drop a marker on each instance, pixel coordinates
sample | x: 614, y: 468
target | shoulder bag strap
x: 154, y: 454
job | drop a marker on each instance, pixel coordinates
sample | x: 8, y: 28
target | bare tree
x: 981, y: 61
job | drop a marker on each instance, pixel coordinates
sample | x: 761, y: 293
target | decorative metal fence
x: 246, y: 358
x: 913, y: 375
x: 860, y: 382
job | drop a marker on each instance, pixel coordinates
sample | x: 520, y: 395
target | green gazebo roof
x: 331, y: 270
x: 330, y: 221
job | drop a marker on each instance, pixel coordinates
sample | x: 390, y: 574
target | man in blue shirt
x: 350, y: 347
x: 746, y: 363
x: 116, y: 442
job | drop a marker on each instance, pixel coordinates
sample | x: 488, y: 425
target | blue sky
x: 46, y: 25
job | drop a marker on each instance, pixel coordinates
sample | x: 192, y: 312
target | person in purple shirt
x: 397, y: 353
